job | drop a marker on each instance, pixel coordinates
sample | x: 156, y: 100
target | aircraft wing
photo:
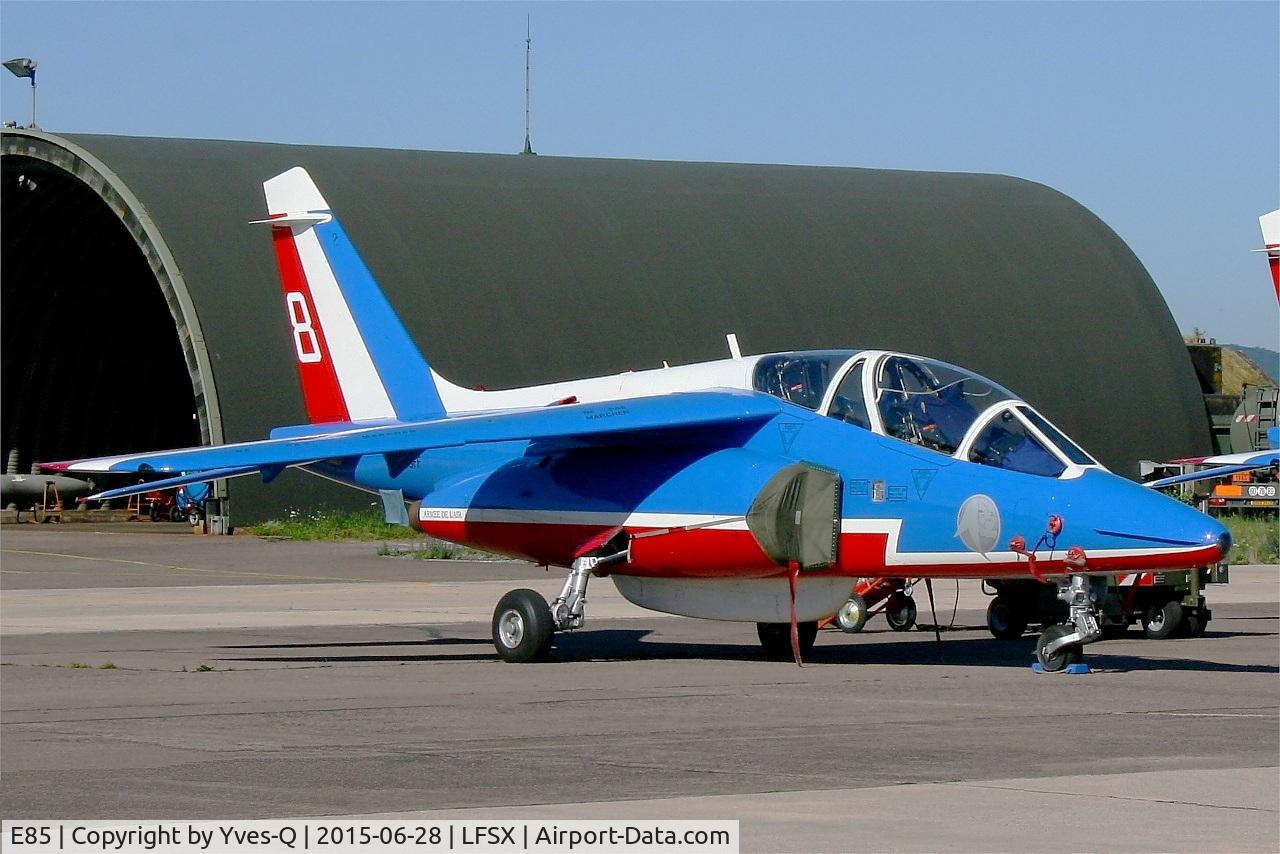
x: 620, y: 422
x: 1223, y: 465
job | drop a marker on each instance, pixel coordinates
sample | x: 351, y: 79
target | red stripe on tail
x: 320, y: 389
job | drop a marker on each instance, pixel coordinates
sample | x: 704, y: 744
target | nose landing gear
x: 1062, y: 644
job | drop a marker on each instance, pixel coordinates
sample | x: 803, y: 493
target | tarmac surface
x: 145, y: 676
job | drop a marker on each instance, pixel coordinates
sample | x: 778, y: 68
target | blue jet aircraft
x: 753, y: 488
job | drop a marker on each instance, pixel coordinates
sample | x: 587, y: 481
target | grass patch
x: 429, y: 548
x: 79, y: 665
x: 204, y: 668
x: 1257, y: 537
x: 365, y: 526
x: 333, y: 526
x: 107, y: 666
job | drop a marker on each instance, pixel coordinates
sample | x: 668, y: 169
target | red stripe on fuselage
x: 728, y: 553
x: 320, y: 389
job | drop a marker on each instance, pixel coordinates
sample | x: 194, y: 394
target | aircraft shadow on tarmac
x: 624, y: 645
x: 356, y: 644
x: 359, y: 659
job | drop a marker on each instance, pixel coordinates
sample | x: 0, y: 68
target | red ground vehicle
x: 1167, y: 604
x: 899, y: 607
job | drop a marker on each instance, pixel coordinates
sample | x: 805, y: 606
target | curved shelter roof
x: 510, y: 270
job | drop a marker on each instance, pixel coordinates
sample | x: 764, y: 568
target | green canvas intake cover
x: 796, y: 516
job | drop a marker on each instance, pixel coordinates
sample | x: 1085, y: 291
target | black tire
x: 195, y: 517
x: 1162, y: 620
x: 900, y: 612
x: 1201, y: 626
x: 1070, y: 654
x: 157, y: 512
x: 852, y: 615
x: 522, y: 626
x: 175, y: 513
x: 775, y: 638
x: 1004, y: 621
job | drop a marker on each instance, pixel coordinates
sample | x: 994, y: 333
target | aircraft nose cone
x: 1135, y: 517
x: 1224, y: 544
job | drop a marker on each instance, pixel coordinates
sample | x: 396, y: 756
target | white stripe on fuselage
x: 362, y: 388
x: 591, y: 518
x: 891, y: 528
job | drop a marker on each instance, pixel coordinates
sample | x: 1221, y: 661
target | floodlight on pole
x: 24, y: 66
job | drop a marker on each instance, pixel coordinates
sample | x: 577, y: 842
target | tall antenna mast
x: 528, y: 49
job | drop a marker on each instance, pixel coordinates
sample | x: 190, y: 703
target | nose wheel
x: 1064, y: 653
x: 1063, y: 644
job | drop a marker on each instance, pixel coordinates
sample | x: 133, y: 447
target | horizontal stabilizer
x: 173, y: 482
x: 302, y: 220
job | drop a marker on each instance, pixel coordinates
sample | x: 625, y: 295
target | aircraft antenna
x: 528, y: 49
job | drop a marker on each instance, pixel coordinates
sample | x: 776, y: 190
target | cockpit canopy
x: 925, y: 402
x: 800, y: 378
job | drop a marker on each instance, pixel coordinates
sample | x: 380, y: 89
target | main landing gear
x: 524, y: 624
x: 1063, y: 644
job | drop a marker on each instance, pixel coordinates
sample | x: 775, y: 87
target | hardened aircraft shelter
x: 142, y: 310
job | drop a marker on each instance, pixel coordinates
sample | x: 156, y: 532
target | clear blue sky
x: 1162, y: 118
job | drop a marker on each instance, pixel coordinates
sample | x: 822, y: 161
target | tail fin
x: 1271, y: 244
x: 356, y: 362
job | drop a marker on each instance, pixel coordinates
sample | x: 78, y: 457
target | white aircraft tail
x: 356, y: 361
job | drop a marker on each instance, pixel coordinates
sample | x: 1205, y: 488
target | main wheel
x: 852, y: 615
x: 900, y: 612
x: 1004, y: 620
x: 775, y: 638
x: 1162, y: 620
x: 1069, y: 654
x: 522, y: 627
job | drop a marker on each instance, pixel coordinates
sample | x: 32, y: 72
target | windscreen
x: 932, y: 403
x: 799, y: 378
x: 1008, y: 443
x: 1068, y: 447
